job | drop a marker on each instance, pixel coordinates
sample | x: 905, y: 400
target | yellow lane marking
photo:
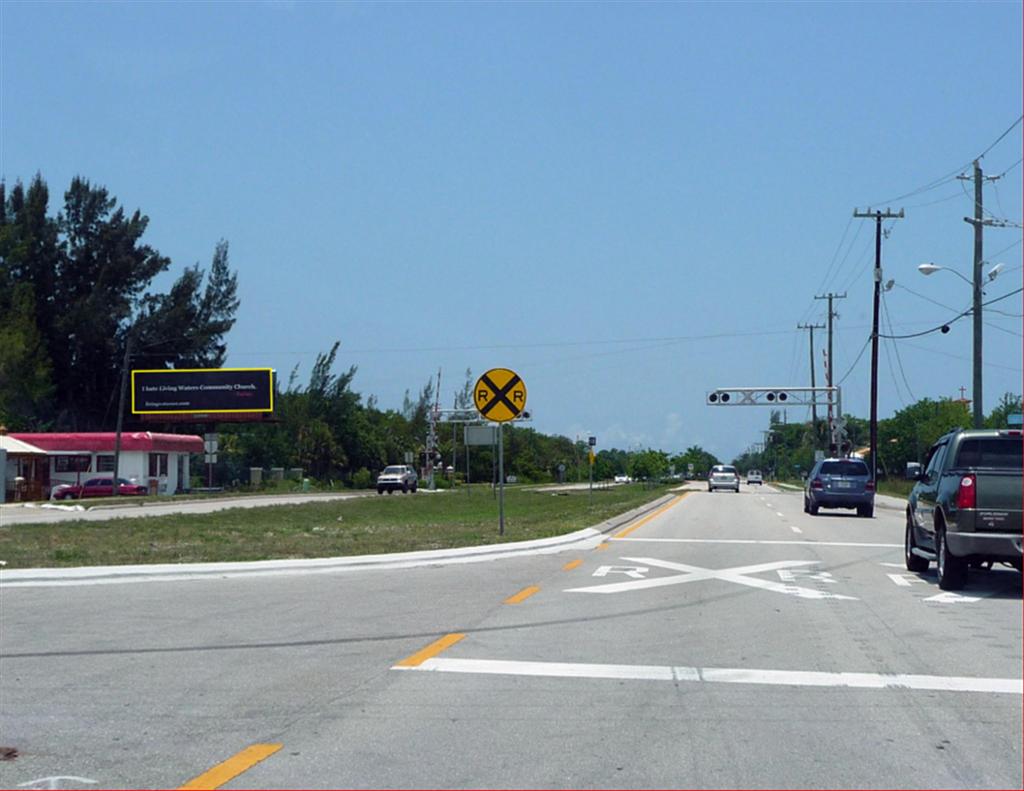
x: 233, y: 766
x: 431, y: 650
x: 601, y: 546
x: 571, y: 565
x: 525, y: 593
x: 649, y: 517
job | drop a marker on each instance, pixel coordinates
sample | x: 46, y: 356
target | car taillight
x: 967, y: 496
x: 816, y: 483
x: 869, y: 486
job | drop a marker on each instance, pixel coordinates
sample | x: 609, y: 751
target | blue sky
x: 627, y: 203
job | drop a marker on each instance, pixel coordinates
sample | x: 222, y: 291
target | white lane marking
x: 636, y: 572
x: 795, y: 529
x: 894, y: 565
x: 795, y: 575
x: 906, y: 580
x: 738, y: 575
x: 953, y: 598
x: 777, y: 513
x: 757, y: 541
x: 721, y: 675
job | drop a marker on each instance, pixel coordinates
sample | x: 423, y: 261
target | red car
x: 96, y: 487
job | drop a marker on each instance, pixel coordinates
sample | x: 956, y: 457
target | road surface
x: 723, y: 640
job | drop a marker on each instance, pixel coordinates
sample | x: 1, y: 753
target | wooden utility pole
x: 814, y: 400
x: 831, y: 364
x: 878, y: 217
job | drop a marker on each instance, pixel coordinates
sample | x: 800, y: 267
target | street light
x: 976, y: 284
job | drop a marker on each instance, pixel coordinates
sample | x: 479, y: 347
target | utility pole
x: 979, y: 223
x: 879, y: 216
x: 814, y: 400
x: 831, y: 366
x: 120, y: 411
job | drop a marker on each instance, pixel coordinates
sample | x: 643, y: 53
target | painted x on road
x: 739, y: 575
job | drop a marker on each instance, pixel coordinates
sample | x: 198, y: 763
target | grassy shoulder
x: 363, y: 526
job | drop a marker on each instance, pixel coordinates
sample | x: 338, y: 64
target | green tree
x: 1009, y: 404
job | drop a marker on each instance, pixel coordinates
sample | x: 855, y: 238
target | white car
x: 723, y: 476
x: 622, y: 479
x: 754, y: 476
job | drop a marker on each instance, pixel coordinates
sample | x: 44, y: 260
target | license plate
x: 844, y: 485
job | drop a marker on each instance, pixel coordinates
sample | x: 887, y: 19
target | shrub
x: 362, y: 479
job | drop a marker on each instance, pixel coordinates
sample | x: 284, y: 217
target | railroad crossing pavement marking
x: 232, y: 767
x: 738, y: 575
x: 723, y: 675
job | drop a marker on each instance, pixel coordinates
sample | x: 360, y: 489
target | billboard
x: 202, y: 390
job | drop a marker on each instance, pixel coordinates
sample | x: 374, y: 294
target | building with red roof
x: 159, y: 461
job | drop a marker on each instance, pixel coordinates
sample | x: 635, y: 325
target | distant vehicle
x: 754, y: 476
x: 840, y: 483
x: 622, y: 479
x: 96, y: 487
x: 397, y: 477
x: 723, y: 476
x: 965, y: 509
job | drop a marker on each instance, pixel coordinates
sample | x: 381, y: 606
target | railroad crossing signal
x: 500, y: 395
x: 772, y: 396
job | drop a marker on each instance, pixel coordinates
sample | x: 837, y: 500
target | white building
x: 159, y: 461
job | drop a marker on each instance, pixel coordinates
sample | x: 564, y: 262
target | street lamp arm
x: 927, y: 269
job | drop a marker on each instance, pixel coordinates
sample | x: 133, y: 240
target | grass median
x: 362, y: 526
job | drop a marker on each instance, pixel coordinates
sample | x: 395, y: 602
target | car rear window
x: 725, y: 469
x: 995, y: 452
x: 844, y: 468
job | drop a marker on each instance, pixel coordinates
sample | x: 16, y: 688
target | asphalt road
x: 724, y: 641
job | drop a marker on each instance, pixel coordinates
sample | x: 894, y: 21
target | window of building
x: 69, y: 463
x: 105, y: 463
x: 157, y: 464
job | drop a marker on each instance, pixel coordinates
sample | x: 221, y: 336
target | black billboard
x: 189, y: 390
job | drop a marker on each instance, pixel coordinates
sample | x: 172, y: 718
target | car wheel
x: 805, y: 504
x: 68, y: 496
x: 405, y: 488
x: 866, y: 510
x: 414, y: 488
x: 380, y: 490
x: 391, y: 491
x: 812, y: 508
x: 914, y: 562
x: 952, y: 570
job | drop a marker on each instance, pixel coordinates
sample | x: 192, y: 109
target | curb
x: 166, y: 572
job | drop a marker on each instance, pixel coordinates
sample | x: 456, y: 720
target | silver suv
x: 397, y: 477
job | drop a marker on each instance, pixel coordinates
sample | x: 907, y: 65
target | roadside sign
x: 211, y: 458
x: 500, y: 395
x: 409, y: 455
x: 591, y: 441
x: 480, y: 435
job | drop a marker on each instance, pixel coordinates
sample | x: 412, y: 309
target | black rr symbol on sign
x: 501, y: 395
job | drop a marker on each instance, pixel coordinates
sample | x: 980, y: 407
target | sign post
x: 500, y: 396
x: 592, y: 442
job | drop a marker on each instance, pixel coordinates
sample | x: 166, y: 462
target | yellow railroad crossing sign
x: 500, y: 395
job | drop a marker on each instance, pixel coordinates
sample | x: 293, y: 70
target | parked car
x: 965, y: 509
x: 96, y: 487
x: 397, y: 477
x: 723, y: 476
x: 754, y: 476
x: 840, y: 483
x: 622, y: 479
